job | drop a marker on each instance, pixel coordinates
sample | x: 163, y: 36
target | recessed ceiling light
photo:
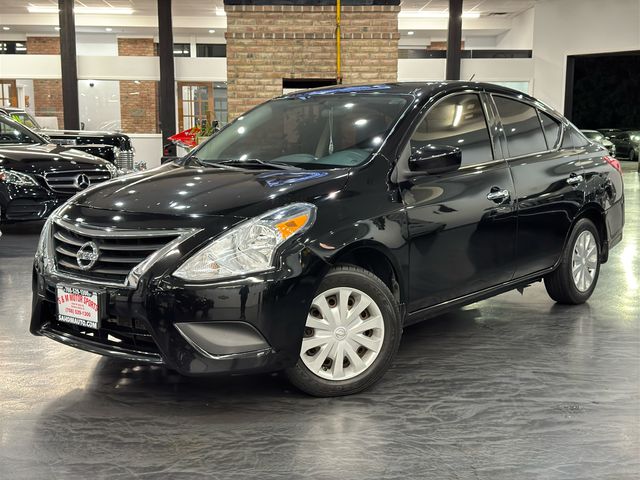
x: 212, y: 31
x: 109, y: 29
x: 6, y: 28
x: 410, y: 33
x: 57, y: 29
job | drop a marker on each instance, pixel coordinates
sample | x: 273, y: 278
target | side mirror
x: 435, y: 159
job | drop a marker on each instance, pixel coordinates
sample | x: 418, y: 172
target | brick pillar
x: 138, y: 98
x: 47, y: 93
x: 266, y: 43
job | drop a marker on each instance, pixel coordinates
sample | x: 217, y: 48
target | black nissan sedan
x: 307, y: 233
x: 36, y: 176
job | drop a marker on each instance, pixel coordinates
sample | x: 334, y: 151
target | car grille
x: 125, y: 159
x: 118, y: 253
x: 71, y: 182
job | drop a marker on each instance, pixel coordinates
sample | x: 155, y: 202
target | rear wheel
x: 575, y: 278
x: 351, y: 335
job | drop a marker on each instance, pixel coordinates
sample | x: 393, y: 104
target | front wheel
x: 575, y: 278
x: 351, y: 335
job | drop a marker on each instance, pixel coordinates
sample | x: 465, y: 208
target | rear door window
x: 521, y: 126
x: 456, y: 121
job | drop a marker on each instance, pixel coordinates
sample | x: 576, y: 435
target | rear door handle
x: 497, y: 195
x: 574, y: 179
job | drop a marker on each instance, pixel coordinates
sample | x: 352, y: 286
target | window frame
x: 487, y: 120
x: 538, y: 107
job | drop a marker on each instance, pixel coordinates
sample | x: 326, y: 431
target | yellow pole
x: 338, y: 46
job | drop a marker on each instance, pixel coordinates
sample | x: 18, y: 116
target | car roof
x: 409, y: 88
x: 11, y: 109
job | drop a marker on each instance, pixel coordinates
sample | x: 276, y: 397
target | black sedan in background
x: 37, y: 176
x: 307, y: 233
x: 598, y: 137
x: 627, y: 143
x: 112, y: 146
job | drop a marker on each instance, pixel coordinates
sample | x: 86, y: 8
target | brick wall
x: 138, y: 99
x: 267, y: 43
x: 47, y: 93
x: 43, y: 45
x: 135, y: 47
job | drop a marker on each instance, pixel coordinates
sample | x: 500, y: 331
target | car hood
x: 195, y: 191
x: 46, y: 158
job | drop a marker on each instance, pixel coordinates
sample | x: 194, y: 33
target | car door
x: 622, y: 141
x: 548, y: 178
x: 461, y: 224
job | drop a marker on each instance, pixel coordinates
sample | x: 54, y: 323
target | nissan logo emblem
x: 82, y: 181
x: 87, y: 255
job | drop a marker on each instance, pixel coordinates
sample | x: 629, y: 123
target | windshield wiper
x: 202, y: 163
x: 254, y: 162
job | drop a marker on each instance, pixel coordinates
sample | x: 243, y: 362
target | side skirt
x: 435, y: 310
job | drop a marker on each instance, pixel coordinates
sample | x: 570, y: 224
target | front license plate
x: 78, y: 306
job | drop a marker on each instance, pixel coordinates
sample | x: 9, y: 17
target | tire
x: 562, y: 286
x: 330, y: 335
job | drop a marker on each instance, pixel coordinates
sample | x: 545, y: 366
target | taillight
x: 613, y: 162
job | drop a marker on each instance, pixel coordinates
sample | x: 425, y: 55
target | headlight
x: 44, y: 250
x: 250, y: 246
x: 112, y: 169
x: 17, y: 178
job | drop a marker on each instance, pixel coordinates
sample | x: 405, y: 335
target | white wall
x: 94, y: 44
x: 520, y: 36
x: 572, y: 27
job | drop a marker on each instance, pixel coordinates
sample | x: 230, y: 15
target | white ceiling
x: 208, y: 7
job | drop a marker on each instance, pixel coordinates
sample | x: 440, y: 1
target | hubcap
x: 343, y: 334
x: 584, y: 261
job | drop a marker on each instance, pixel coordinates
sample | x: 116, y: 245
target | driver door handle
x: 498, y: 195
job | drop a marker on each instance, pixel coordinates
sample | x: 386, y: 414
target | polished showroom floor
x: 514, y: 387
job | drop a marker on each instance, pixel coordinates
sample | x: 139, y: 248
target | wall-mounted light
x: 212, y: 31
x: 410, y: 32
x: 57, y: 29
x: 108, y: 29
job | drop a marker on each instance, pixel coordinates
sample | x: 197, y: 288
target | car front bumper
x: 20, y: 204
x: 248, y: 325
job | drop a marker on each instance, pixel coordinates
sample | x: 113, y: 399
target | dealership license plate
x: 78, y: 306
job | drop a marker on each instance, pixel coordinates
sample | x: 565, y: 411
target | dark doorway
x: 603, y: 90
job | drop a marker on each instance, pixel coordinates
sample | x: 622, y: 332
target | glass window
x: 456, y: 121
x: 521, y: 126
x: 312, y: 130
x: 13, y: 48
x: 181, y: 50
x: 12, y: 132
x: 551, y: 128
x: 211, y: 50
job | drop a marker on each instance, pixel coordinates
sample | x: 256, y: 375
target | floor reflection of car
x: 37, y: 176
x: 308, y: 232
x: 115, y: 147
x: 598, y: 137
x: 627, y: 143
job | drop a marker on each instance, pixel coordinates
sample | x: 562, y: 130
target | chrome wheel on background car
x: 343, y: 334
x: 351, y: 334
x: 584, y: 261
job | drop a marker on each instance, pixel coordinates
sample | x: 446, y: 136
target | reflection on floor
x: 513, y: 387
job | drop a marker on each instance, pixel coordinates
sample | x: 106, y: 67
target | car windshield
x: 25, y: 119
x: 312, y: 130
x: 12, y: 132
x: 595, y: 136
